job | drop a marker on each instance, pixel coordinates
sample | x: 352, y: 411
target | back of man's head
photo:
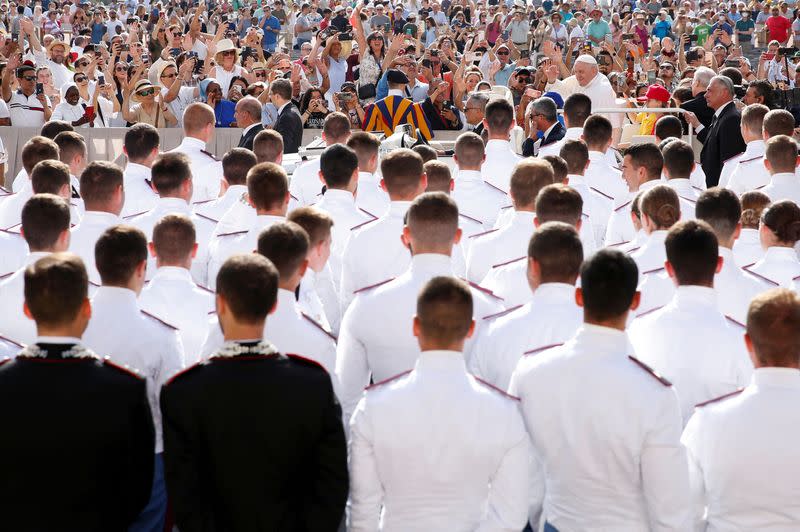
x: 366, y: 146
x: 721, y: 210
x: 268, y: 146
x: 557, y: 249
x: 576, y: 154
x: 432, y: 219
x: 169, y: 173
x: 528, y: 178
x: 337, y: 164
x: 559, y: 203
x: 45, y: 217
x: 315, y: 222
x: 678, y: 159
x: 100, y: 182
x: 402, y: 171
x: 248, y: 284
x: 597, y: 132
x: 773, y: 328
x: 49, y: 177
x: 781, y: 153
x: 70, y: 146
x: 250, y: 107
x: 267, y: 186
x: 560, y: 168
x: 119, y: 251
x: 469, y: 151
x: 577, y: 108
x: 174, y: 239
x: 608, y: 285
x: 778, y: 122
x: 235, y: 165
x: 196, y: 118
x: 336, y: 128
x: 56, y: 288
x: 286, y: 245
x: 692, y: 252
x: 426, y: 152
x: 753, y: 119
x: 647, y: 155
x: 54, y: 127
x: 38, y: 149
x: 439, y: 177
x: 140, y: 141
x: 444, y: 312
x: 499, y: 117
x: 668, y: 127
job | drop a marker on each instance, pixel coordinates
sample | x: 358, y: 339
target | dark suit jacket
x: 290, y: 126
x: 698, y: 106
x: 79, y: 444
x: 247, y: 139
x: 721, y: 141
x: 254, y: 442
x: 529, y: 147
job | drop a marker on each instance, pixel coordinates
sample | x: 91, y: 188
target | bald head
x: 248, y: 111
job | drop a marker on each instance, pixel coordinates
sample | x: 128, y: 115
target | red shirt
x: 778, y: 28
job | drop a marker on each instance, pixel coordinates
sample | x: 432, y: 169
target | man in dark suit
x: 723, y: 138
x: 544, y: 115
x: 248, y: 117
x: 78, y: 434
x: 253, y: 438
x: 698, y: 104
x: 288, y: 124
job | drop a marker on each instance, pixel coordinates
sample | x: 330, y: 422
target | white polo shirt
x: 26, y: 111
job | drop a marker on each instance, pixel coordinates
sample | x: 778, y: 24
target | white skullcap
x: 586, y: 58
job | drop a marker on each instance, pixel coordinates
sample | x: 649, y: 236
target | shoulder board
x: 496, y: 188
x: 5, y: 360
x: 318, y: 326
x: 735, y: 322
x: 751, y: 272
x: 133, y: 215
x: 506, y: 207
x: 4, y: 190
x: 14, y: 229
x: 9, y: 274
x: 390, y: 379
x: 509, y: 262
x: 470, y: 218
x: 720, y: 398
x: 185, y: 371
x: 204, y: 201
x: 690, y: 200
x: 365, y: 211
x: 209, y: 218
x: 584, y: 215
x: 650, y: 370
x: 632, y: 250
x: 370, y: 287
x: 124, y: 369
x: 204, y: 152
x: 540, y: 349
x: 204, y: 288
x: 476, y: 235
x: 698, y: 189
x: 751, y: 159
x: 305, y: 360
x: 159, y: 320
x: 762, y: 186
x: 623, y: 206
x: 293, y: 196
x: 479, y: 288
x: 601, y: 193
x: 732, y: 157
x: 231, y: 233
x: 618, y: 244
x: 10, y: 341
x: 495, y: 388
x: 503, y: 313
x: 646, y: 312
x: 362, y: 224
x: 654, y: 270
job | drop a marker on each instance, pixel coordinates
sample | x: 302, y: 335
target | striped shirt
x: 26, y: 111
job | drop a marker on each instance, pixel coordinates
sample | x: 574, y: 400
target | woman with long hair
x: 372, y: 52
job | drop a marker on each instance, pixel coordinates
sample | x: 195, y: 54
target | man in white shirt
x: 781, y: 162
x: 57, y: 50
x: 577, y: 109
x: 498, y: 121
x: 596, y: 205
x: 370, y: 197
x: 235, y: 165
x: 641, y: 170
x: 601, y: 176
x: 678, y: 166
x: 26, y: 108
x: 198, y: 130
x: 141, y: 148
x: 306, y: 184
x: 35, y: 150
x: 758, y: 125
x: 475, y: 197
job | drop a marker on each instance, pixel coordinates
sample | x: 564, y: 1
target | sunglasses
x: 502, y: 53
x: 228, y: 52
x: 80, y: 79
x: 261, y: 74
x: 146, y: 92
x: 121, y: 69
x: 82, y: 64
x: 29, y: 78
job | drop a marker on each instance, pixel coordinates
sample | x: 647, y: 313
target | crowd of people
x: 554, y: 325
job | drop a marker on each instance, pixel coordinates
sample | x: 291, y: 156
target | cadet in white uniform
x: 435, y: 448
x: 35, y: 150
x: 235, y: 165
x: 45, y: 224
x: 601, y: 176
x: 103, y: 195
x: 120, y: 330
x: 141, y: 148
x: 551, y: 317
x: 781, y: 162
x: 779, y: 232
x: 306, y: 184
x: 172, y: 294
x: 744, y: 448
x: 608, y: 441
x: 678, y: 166
x: 376, y: 337
x: 690, y: 341
x: 198, y: 130
x: 475, y: 197
x: 370, y: 197
x: 13, y: 250
x: 500, y: 159
x: 750, y: 172
x: 660, y: 209
x: 596, y: 205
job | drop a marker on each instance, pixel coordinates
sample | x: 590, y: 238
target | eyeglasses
x: 80, y: 79
x: 260, y: 74
x: 502, y: 53
x: 228, y: 52
x: 29, y: 78
x: 146, y: 92
x: 121, y: 69
x: 169, y: 76
x: 82, y: 64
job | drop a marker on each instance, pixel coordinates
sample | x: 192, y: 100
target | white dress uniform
x: 657, y: 289
x: 206, y: 169
x: 139, y: 195
x: 217, y: 207
x: 310, y: 301
x: 750, y: 172
x: 550, y: 318
x: 783, y: 186
x: 605, y: 178
x: 595, y: 204
x: 376, y: 335
x: 779, y: 266
x: 687, y: 196
x: 172, y: 295
x: 620, y: 228
x: 224, y: 245
x: 609, y: 439
x: 9, y: 348
x: 240, y: 216
x: 370, y: 197
x: 728, y: 167
x: 83, y: 238
x: 509, y: 281
x: 477, y: 198
x: 735, y: 287
x: 499, y: 245
x: 747, y: 248
x: 698, y: 179
x: 499, y: 164
x: 13, y: 250
x: 203, y: 228
x: 438, y: 450
x: 13, y: 322
x: 120, y: 330
x: 11, y: 207
x: 752, y: 435
x: 693, y: 345
x: 652, y: 254
x: 305, y: 184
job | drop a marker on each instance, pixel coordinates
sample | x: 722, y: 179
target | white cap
x: 586, y: 58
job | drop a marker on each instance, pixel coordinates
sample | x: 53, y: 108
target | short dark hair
x: 282, y: 88
x: 753, y: 118
x: 169, y: 171
x: 559, y: 203
x: 773, y: 325
x: 315, y: 222
x: 426, y: 152
x: 764, y: 89
x: 174, y: 237
x: 286, y: 245
x: 499, y: 115
x: 38, y: 149
x: 557, y: 248
x: 560, y: 168
x: 469, y: 150
x: 608, y: 284
x: 48, y: 177
x: 720, y: 209
x: 597, y: 132
x: 267, y: 186
x: 781, y: 153
x: 433, y: 218
x: 576, y: 154
x: 336, y: 127
x: 577, y: 108
x: 692, y: 250
x: 439, y: 176
x: 528, y: 178
x: 70, y: 144
x: 235, y: 165
x: 118, y: 252
x: 249, y: 285
x: 647, y: 155
x: 44, y: 218
x: 54, y: 127
x: 140, y: 141
x: 268, y: 145
x: 678, y: 159
x: 783, y: 219
x: 778, y: 122
x: 732, y: 74
x: 338, y: 163
x: 401, y: 170
x: 366, y: 145
x: 56, y: 286
x: 668, y: 127
x: 662, y: 206
x: 99, y: 181
x: 445, y: 309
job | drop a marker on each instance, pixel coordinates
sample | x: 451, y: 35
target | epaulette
x: 495, y: 388
x: 319, y: 326
x: 540, y: 349
x: 130, y: 216
x: 654, y: 270
x: 602, y: 193
x: 385, y: 381
x: 232, y: 233
x: 496, y: 188
x: 751, y: 159
x: 124, y: 369
x: 701, y: 190
x: 619, y: 244
x: 209, y: 218
x: 690, y: 200
x: 362, y: 224
x: 479, y: 288
x: 10, y: 341
x: 5, y: 360
x: 646, y: 312
x: 506, y: 207
x: 15, y: 229
x: 159, y: 320
x: 185, y: 371
x: 732, y: 157
x: 623, y: 205
x: 204, y: 201
x: 767, y: 279
x: 307, y: 361
x: 370, y: 287
x: 365, y: 211
x: 506, y: 263
x: 633, y: 250
x: 92, y: 283
x: 650, y: 370
x: 204, y: 288
x: 9, y: 274
x: 503, y: 313
x: 720, y: 398
x: 476, y: 235
x: 736, y: 322
x: 470, y: 218
x: 762, y: 186
x: 5, y: 191
x: 584, y: 215
x: 204, y: 152
x: 293, y: 196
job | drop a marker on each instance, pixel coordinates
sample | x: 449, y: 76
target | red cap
x: 656, y: 92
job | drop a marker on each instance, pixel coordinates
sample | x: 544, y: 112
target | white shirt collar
x: 281, y: 108
x: 784, y: 178
x: 549, y: 129
x: 722, y: 108
x: 193, y: 143
x: 396, y: 92
x: 57, y: 340
x: 248, y: 128
x: 173, y: 272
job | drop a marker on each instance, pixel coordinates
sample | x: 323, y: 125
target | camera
x: 345, y: 96
x: 434, y: 53
x: 787, y: 50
